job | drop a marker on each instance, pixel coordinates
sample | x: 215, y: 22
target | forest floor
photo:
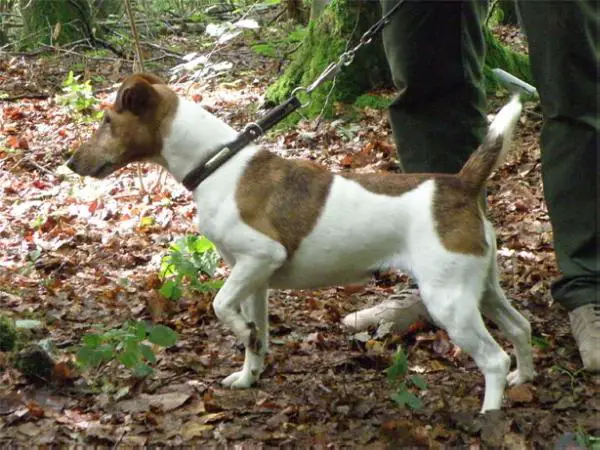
x: 76, y: 253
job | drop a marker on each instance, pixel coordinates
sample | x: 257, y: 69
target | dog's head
x: 132, y: 128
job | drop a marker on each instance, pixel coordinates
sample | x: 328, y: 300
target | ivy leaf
x: 92, y: 340
x: 171, y: 290
x: 140, y: 330
x: 162, y: 335
x: 147, y: 353
x: 142, y: 370
x: 89, y: 357
x: 129, y: 359
x: 407, y: 398
x: 418, y: 382
x: 399, y: 366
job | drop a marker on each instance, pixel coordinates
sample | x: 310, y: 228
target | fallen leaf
x: 194, y: 429
x: 29, y: 429
x: 521, y: 394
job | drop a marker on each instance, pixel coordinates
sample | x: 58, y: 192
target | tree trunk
x: 326, y: 40
x: 57, y: 22
x: 509, y: 12
x: 295, y: 11
x: 499, y: 56
x: 317, y: 8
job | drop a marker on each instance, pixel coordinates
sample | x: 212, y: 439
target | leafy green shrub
x: 79, y: 98
x: 127, y: 345
x: 8, y: 334
x: 35, y: 363
x: 400, y: 382
x: 265, y: 49
x: 187, y: 260
x: 372, y: 101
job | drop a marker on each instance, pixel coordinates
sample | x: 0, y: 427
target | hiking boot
x: 403, y: 310
x: 585, y: 324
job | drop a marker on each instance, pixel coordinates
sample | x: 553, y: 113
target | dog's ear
x: 137, y: 95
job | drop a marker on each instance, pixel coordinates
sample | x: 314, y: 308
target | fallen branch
x: 14, y: 98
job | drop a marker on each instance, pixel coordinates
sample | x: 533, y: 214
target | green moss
x: 499, y: 56
x: 68, y: 21
x: 325, y: 41
x: 34, y: 363
x: 8, y: 334
x: 372, y: 101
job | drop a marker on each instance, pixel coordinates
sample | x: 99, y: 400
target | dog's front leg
x: 255, y: 311
x: 247, y: 284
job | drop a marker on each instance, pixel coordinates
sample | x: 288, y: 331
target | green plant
x: 8, y: 334
x: 128, y: 345
x: 540, y: 342
x: 78, y: 98
x: 372, y: 101
x: 265, y: 49
x: 587, y: 442
x: 187, y: 260
x: 397, y: 375
x: 571, y: 374
x: 34, y: 363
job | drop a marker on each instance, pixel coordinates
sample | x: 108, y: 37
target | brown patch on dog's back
x: 455, y: 211
x: 282, y: 198
x: 458, y: 217
x: 385, y: 183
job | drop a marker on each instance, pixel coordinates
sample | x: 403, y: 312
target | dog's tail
x: 493, y: 149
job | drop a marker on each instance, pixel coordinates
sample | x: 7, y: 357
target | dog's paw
x: 240, y: 380
x: 517, y: 377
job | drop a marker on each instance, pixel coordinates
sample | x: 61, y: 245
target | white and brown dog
x: 292, y: 224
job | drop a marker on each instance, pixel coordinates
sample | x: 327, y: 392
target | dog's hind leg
x: 454, y: 306
x: 255, y: 311
x: 496, y: 306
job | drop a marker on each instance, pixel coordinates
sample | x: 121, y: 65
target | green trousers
x: 435, y: 50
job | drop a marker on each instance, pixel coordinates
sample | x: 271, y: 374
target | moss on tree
x: 8, y: 334
x: 499, y: 56
x: 326, y: 40
x: 58, y: 22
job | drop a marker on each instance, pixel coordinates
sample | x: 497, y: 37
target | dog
x: 292, y: 224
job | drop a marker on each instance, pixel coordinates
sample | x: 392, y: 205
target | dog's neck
x: 193, y: 137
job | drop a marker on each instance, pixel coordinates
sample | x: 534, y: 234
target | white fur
x: 504, y: 124
x: 357, y: 233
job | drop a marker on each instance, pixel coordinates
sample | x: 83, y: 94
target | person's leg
x: 564, y: 42
x: 435, y: 52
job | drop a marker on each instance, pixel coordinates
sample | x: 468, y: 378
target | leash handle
x: 277, y: 114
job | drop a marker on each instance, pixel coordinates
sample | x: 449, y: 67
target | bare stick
x: 140, y: 65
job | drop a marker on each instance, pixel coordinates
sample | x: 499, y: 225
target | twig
x: 140, y: 62
x: 136, y: 40
x: 289, y: 52
x: 28, y: 160
x: 73, y: 52
x: 272, y: 21
x: 14, y: 98
x: 490, y: 11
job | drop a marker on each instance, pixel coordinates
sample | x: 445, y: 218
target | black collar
x: 253, y: 130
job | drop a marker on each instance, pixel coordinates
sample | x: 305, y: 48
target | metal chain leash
x: 255, y: 129
x: 347, y: 58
